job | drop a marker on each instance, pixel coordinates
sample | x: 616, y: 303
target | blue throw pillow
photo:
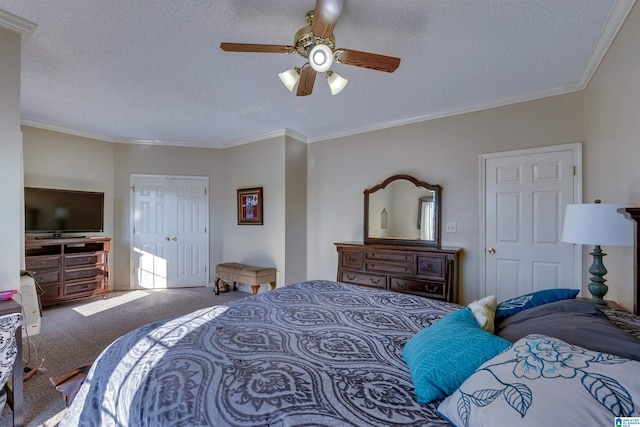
x: 515, y: 305
x: 442, y: 356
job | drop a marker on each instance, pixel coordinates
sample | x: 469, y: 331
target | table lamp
x: 597, y: 224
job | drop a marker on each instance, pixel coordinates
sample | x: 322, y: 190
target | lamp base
x: 599, y: 302
x: 597, y: 288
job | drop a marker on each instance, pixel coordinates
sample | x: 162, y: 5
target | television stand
x: 69, y: 268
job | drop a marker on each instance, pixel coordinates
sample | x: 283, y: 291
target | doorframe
x: 576, y: 147
x: 132, y: 178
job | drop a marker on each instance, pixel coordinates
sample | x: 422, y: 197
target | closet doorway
x: 523, y: 194
x: 170, y: 231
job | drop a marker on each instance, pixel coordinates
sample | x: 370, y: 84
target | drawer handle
x: 374, y: 281
x: 351, y: 277
x: 432, y: 290
x: 351, y: 258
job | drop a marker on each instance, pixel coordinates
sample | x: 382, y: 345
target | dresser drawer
x: 357, y: 278
x: 394, y: 256
x: 397, y: 268
x: 42, y: 263
x: 51, y: 291
x: 79, y: 287
x: 352, y: 259
x: 421, y: 287
x: 84, y: 273
x: 85, y: 259
x: 47, y: 277
x: 432, y: 267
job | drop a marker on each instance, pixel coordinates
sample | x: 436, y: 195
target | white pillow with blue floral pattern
x: 543, y: 381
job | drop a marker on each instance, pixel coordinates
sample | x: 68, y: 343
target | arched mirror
x: 402, y: 210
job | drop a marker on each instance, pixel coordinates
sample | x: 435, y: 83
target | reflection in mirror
x: 403, y: 210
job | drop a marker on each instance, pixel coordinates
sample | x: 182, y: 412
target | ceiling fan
x: 316, y: 43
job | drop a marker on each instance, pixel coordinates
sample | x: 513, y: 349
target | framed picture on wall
x: 250, y: 206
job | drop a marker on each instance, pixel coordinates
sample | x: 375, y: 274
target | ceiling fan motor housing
x: 305, y: 40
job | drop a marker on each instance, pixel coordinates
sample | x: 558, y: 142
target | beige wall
x: 261, y: 164
x: 58, y: 160
x: 158, y: 160
x: 612, y: 144
x: 445, y: 152
x: 11, y: 210
x: 296, y: 210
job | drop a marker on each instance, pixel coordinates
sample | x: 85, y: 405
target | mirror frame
x: 437, y: 195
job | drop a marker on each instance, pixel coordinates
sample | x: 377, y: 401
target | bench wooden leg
x: 254, y: 289
x: 216, y: 288
x: 69, y: 383
x: 273, y: 285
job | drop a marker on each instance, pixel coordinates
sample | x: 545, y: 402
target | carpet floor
x: 73, y: 335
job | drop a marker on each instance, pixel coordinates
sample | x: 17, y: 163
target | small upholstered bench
x: 70, y: 382
x: 242, y: 273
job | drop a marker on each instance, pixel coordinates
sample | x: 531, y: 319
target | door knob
x: 492, y: 251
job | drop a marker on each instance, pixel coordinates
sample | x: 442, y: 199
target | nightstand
x: 612, y: 304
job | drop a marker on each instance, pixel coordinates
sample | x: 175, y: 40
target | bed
x: 317, y: 353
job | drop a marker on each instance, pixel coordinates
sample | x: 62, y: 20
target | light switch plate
x: 450, y: 227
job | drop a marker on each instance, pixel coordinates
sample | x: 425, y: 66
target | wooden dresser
x: 69, y: 268
x: 419, y: 270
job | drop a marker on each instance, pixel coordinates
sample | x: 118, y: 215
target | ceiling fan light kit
x: 290, y: 78
x: 316, y: 43
x: 336, y: 82
x: 321, y: 58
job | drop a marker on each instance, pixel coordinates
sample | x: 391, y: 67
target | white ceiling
x: 151, y: 71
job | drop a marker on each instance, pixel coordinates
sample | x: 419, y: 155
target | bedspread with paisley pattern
x: 317, y: 353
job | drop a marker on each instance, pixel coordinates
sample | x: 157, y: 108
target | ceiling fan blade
x: 367, y: 60
x: 307, y: 79
x: 325, y: 17
x: 252, y: 47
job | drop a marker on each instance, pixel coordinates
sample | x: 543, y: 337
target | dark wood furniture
x: 69, y: 268
x: 70, y: 382
x: 419, y: 270
x: 634, y: 215
x: 15, y: 393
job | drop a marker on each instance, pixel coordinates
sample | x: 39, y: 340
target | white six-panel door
x: 170, y: 231
x: 525, y: 194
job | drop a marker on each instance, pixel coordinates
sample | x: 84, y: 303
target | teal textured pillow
x: 442, y: 356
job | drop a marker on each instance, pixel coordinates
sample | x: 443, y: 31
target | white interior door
x: 170, y: 231
x: 524, y: 197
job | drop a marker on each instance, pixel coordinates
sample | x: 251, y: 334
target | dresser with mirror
x: 401, y: 249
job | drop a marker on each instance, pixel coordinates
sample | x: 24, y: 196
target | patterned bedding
x: 317, y: 353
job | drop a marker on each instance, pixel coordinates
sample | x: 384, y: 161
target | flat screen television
x: 48, y: 210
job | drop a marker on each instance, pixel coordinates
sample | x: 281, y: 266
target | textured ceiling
x: 152, y: 70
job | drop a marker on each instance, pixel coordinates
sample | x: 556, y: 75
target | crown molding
x: 228, y: 144
x: 616, y: 18
x: 500, y: 102
x: 18, y: 25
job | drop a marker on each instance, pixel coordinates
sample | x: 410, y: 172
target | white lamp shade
x: 290, y: 78
x: 597, y: 224
x: 321, y: 58
x: 336, y: 82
